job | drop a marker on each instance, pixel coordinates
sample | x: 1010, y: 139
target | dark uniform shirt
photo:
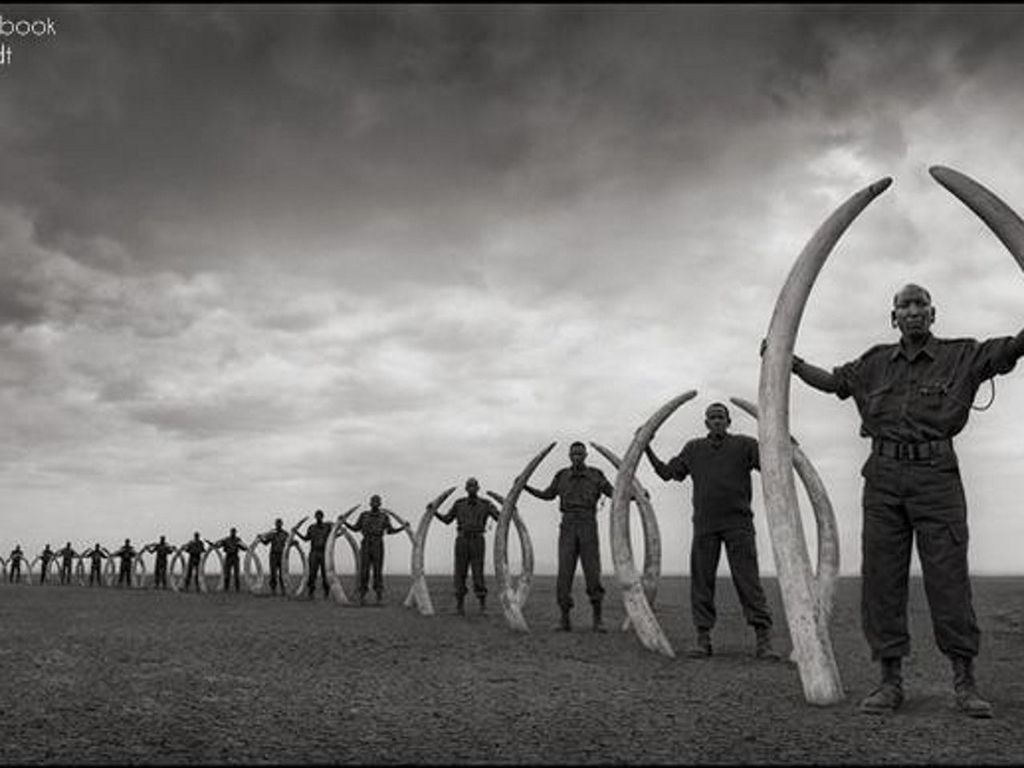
x: 16, y: 556
x: 578, y: 491
x: 472, y: 514
x: 277, y: 539
x: 720, y: 470
x: 67, y: 553
x: 232, y: 546
x: 925, y: 398
x: 96, y: 556
x: 126, y: 554
x: 317, y: 535
x: 374, y: 525
x: 162, y: 551
x: 194, y: 549
x: 46, y: 555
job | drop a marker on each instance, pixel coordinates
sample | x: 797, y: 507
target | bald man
x: 472, y: 514
x: 720, y: 465
x: 914, y: 397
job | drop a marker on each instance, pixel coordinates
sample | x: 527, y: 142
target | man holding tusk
x: 45, y: 557
x: 67, y: 560
x: 232, y: 545
x: 127, y: 555
x: 96, y: 556
x: 373, y: 524
x: 316, y: 534
x: 720, y: 466
x: 16, y: 557
x: 194, y: 549
x: 472, y: 513
x: 277, y: 539
x: 578, y: 488
x: 913, y: 398
x: 162, y: 550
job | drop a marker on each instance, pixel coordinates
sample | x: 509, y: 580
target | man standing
x: 578, y: 488
x: 162, y: 550
x: 720, y: 466
x: 45, y: 557
x: 373, y: 524
x: 913, y: 398
x: 231, y: 545
x: 127, y: 555
x: 277, y: 539
x: 316, y: 534
x: 472, y: 513
x: 96, y: 555
x: 67, y: 555
x: 194, y: 549
x: 16, y: 557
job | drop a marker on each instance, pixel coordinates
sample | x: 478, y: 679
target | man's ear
x: 892, y: 318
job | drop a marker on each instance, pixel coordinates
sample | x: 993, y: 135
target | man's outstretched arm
x: 813, y: 376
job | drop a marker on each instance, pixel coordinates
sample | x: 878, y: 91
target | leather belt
x: 911, y: 451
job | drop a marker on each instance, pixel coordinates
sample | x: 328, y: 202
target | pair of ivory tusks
x: 203, y: 587
x: 808, y: 625
x: 652, y: 536
x: 511, y: 595
x: 255, y: 584
x: 419, y: 594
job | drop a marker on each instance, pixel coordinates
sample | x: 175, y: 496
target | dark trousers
x: 276, y: 574
x: 317, y: 562
x: 903, y: 500
x: 469, y: 554
x: 371, y: 560
x: 230, y: 567
x: 160, y: 574
x: 15, y: 572
x: 43, y: 573
x: 741, y: 551
x: 65, y: 572
x: 577, y: 540
x: 96, y: 572
x: 125, y: 574
x: 192, y: 572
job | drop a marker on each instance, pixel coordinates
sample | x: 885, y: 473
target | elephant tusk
x: 203, y: 587
x: 997, y: 215
x: 254, y: 583
x: 139, y: 572
x: 808, y: 629
x: 646, y: 626
x: 297, y: 588
x: 337, y: 589
x: 176, y: 579
x: 652, y: 536
x: 419, y: 594
x: 824, y: 515
x: 508, y: 594
x: 520, y: 587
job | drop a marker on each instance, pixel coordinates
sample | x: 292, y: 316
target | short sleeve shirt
x: 924, y: 397
x: 580, y: 490
x: 472, y: 514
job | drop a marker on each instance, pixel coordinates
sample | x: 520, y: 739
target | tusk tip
x: 881, y: 185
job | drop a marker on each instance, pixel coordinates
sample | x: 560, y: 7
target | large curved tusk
x: 255, y: 583
x: 203, y: 586
x: 808, y: 629
x: 520, y: 586
x: 507, y: 592
x: 824, y: 515
x: 176, y: 580
x: 646, y: 626
x: 139, y: 572
x: 997, y: 215
x: 296, y: 588
x: 337, y: 589
x: 652, y: 536
x: 419, y: 594
x: 110, y: 572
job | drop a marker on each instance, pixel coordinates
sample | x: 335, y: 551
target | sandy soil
x: 105, y: 675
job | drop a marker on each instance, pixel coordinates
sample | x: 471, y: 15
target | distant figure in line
x: 232, y: 545
x: 277, y: 539
x: 96, y: 555
x: 45, y: 557
x: 194, y: 549
x: 15, y: 569
x: 374, y: 523
x: 127, y: 555
x: 67, y: 555
x: 472, y: 513
x: 316, y: 534
x: 162, y: 550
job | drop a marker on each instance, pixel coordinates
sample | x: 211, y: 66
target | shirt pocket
x: 876, y: 400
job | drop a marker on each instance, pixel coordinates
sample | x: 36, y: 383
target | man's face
x: 472, y: 487
x: 912, y: 312
x: 279, y: 523
x: 717, y: 422
x: 375, y: 502
x: 578, y: 455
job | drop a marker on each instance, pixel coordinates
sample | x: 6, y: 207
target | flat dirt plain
x: 113, y: 676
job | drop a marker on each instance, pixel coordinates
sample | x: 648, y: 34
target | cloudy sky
x: 259, y: 261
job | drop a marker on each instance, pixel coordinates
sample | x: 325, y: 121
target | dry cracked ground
x: 112, y: 676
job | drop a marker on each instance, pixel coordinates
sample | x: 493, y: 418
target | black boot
x: 888, y: 696
x: 702, y: 648
x: 763, y: 649
x: 598, y: 624
x: 967, y: 699
x: 483, y: 603
x: 460, y: 605
x: 564, y: 624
